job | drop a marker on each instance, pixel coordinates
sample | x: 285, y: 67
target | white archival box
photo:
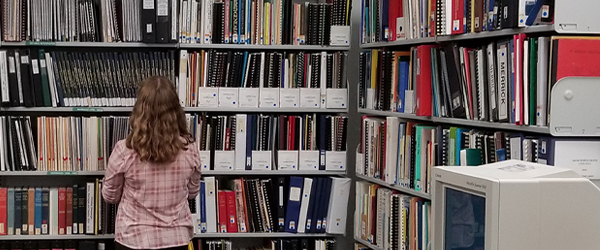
x: 527, y: 205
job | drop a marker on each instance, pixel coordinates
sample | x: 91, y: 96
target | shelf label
x: 62, y: 172
x: 40, y: 43
x: 86, y: 109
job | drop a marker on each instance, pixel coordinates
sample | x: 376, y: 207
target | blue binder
x: 293, y: 204
x: 46, y: 209
x: 38, y: 210
x: 310, y: 221
x: 322, y: 144
x: 202, y: 207
x: 18, y: 208
x: 324, y: 205
x: 249, y: 140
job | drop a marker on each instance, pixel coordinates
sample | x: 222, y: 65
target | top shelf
x: 460, y: 122
x: 468, y: 36
x: 186, y: 109
x: 174, y: 45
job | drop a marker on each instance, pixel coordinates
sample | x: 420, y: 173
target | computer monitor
x: 513, y: 205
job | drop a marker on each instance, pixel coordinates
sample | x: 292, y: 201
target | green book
x: 44, y: 76
x: 452, y: 147
x: 470, y: 157
x: 532, y: 80
x: 423, y: 136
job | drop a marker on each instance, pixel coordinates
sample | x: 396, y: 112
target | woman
x: 153, y: 173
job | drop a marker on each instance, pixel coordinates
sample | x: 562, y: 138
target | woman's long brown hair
x: 158, y: 122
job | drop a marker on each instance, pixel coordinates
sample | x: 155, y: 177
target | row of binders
x: 282, y: 204
x: 263, y: 79
x: 262, y: 22
x: 55, y: 245
x: 60, y: 144
x: 288, y: 244
x: 403, y: 153
x: 36, y: 78
x: 270, y: 142
x: 89, y: 21
x: 171, y: 21
x: 505, y: 81
x: 391, y: 20
x: 390, y: 220
x: 77, y: 209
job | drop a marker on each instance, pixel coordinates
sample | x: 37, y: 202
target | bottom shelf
x: 367, y: 244
x: 196, y: 236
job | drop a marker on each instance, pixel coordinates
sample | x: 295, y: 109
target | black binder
x: 28, y: 94
x: 148, y: 21
x: 454, y: 83
x: 13, y: 89
x: 163, y: 21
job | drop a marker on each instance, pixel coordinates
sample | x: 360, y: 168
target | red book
x: 62, y: 209
x: 222, y: 200
x: 232, y: 226
x: 467, y: 70
x: 432, y: 26
x: 518, y: 58
x: 69, y: 212
x: 423, y: 86
x: 392, y: 15
x: 31, y: 211
x: 574, y: 56
x: 3, y: 211
x: 458, y: 15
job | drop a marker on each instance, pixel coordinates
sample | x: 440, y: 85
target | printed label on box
x: 224, y: 160
x: 261, y: 160
x: 310, y: 98
x: 208, y: 97
x: 248, y: 97
x: 335, y: 160
x: 309, y: 160
x: 337, y: 98
x: 340, y: 35
x: 269, y: 98
x: 228, y: 97
x: 289, y: 98
x: 204, y: 160
x: 287, y: 160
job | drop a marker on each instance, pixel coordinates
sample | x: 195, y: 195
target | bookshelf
x: 515, y: 131
x: 68, y: 178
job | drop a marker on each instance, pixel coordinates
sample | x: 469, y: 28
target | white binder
x: 338, y: 202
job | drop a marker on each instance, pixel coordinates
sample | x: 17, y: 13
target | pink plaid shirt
x: 153, y: 208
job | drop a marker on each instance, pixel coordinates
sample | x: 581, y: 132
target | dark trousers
x: 121, y: 247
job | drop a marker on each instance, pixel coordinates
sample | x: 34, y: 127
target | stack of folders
x: 36, y: 78
x: 60, y: 144
x: 77, y: 209
x: 90, y: 21
x: 260, y: 22
x: 55, y: 245
x: 270, y: 142
x: 17, y: 146
x: 282, y: 204
x: 289, y: 244
x: 391, y: 220
x: 506, y: 81
x: 403, y: 153
x: 78, y: 143
x: 263, y: 79
x: 388, y: 20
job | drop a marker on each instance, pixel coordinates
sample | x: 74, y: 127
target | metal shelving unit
x: 174, y: 45
x: 187, y: 109
x: 468, y: 36
x: 461, y: 122
x: 395, y: 187
x: 261, y: 47
x: 367, y: 244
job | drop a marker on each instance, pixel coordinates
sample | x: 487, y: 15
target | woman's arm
x: 194, y: 184
x: 112, y: 185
